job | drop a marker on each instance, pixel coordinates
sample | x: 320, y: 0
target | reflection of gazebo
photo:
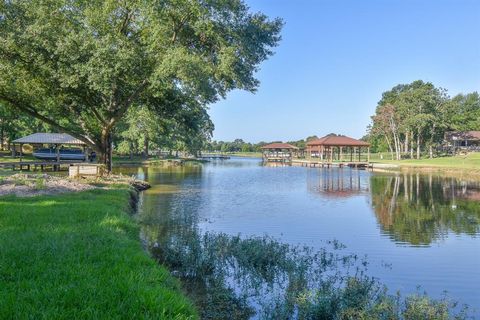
x: 278, y: 152
x: 55, y: 139
x: 339, y: 183
x: 338, y: 148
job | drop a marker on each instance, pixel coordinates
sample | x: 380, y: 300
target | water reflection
x: 419, y: 209
x: 384, y: 216
x: 342, y: 182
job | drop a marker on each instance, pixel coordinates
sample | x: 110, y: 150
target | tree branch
x: 124, y: 105
x: 25, y: 107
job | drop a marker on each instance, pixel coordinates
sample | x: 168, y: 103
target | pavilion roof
x: 338, y: 141
x: 49, y: 138
x: 279, y: 145
x: 462, y: 135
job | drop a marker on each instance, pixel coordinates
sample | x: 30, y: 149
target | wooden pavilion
x: 331, y: 149
x: 278, y: 152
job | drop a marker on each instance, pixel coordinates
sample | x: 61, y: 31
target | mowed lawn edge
x: 79, y: 255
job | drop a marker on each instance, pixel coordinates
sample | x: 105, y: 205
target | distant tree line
x: 238, y: 145
x: 411, y: 119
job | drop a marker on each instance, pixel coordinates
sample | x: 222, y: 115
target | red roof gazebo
x: 278, y: 152
x: 338, y: 148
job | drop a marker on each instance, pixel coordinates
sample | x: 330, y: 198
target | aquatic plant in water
x: 230, y: 277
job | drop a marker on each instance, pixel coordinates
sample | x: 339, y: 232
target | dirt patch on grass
x: 28, y: 185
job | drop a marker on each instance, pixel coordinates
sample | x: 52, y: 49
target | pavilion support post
x: 351, y: 154
x: 341, y: 153
x: 321, y: 153
x: 368, y: 155
x: 14, y: 151
x: 21, y: 152
x: 56, y: 167
x: 359, y: 153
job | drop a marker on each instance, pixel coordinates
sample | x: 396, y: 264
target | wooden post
x: 368, y: 156
x: 351, y: 154
x: 359, y: 153
x: 341, y: 154
x: 57, y: 167
x: 21, y: 152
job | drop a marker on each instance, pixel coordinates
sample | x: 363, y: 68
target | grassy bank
x: 470, y: 161
x: 246, y: 154
x: 467, y: 164
x: 78, y: 255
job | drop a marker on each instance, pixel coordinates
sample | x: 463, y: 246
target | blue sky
x: 337, y: 57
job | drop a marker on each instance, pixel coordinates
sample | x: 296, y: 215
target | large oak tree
x: 80, y: 65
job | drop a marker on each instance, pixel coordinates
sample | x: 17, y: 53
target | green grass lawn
x: 78, y: 256
x: 9, y: 158
x: 470, y: 161
x: 246, y: 154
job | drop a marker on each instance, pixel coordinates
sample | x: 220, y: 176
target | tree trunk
x: 106, y: 150
x: 431, y: 141
x: 405, y: 148
x: 145, y: 148
x: 396, y: 140
x: 130, y: 150
x: 389, y: 145
x: 2, y: 139
x: 418, y: 146
x: 411, y: 146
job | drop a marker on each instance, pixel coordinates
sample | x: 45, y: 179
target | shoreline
x: 79, y: 255
x: 447, y: 171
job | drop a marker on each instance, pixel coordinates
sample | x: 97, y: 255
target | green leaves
x: 421, y: 112
x: 81, y: 65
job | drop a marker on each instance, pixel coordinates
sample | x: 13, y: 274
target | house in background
x: 463, y: 139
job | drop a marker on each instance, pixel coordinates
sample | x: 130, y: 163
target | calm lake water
x: 416, y: 230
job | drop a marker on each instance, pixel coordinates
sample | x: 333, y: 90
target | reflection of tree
x: 336, y: 182
x: 230, y: 277
x: 420, y: 209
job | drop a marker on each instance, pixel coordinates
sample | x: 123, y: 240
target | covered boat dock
x: 333, y: 150
x: 52, y: 139
x: 338, y: 149
x: 279, y: 152
x: 38, y: 140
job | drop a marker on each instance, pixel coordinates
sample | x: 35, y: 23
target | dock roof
x: 279, y: 145
x: 342, y: 141
x: 49, y: 138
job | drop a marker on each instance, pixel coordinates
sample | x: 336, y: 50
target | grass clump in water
x: 78, y: 256
x: 230, y: 277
